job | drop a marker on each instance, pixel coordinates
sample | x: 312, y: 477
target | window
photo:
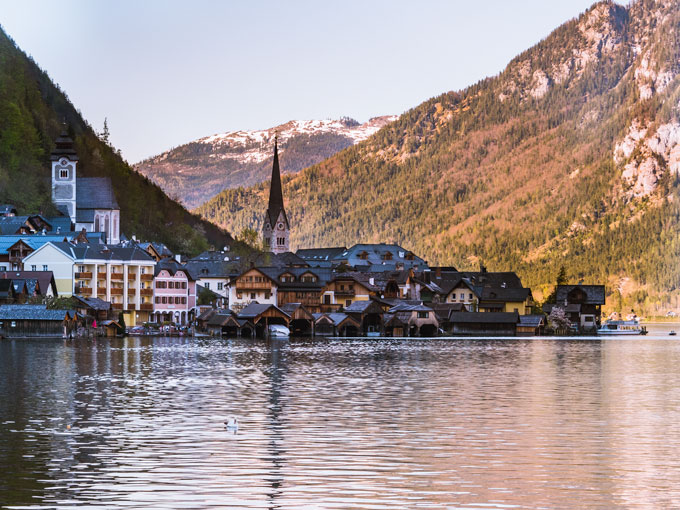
x: 63, y: 174
x: 143, y: 270
x: 239, y: 296
x: 164, y: 300
x: 348, y: 302
x: 267, y: 241
x: 178, y: 300
x: 253, y: 295
x: 470, y: 295
x: 326, y: 299
x: 280, y: 241
x: 171, y: 285
x: 13, y: 324
x: 34, y: 268
x: 267, y: 295
x: 158, y: 300
x: 184, y: 285
x: 81, y: 269
x: 462, y: 296
x: 184, y: 301
x: 220, y: 285
x: 207, y: 285
x: 423, y: 315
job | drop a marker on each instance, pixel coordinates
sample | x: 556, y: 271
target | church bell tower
x: 64, y: 161
x: 276, y: 230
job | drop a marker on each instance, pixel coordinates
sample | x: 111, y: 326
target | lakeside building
x: 123, y: 276
x: 174, y: 293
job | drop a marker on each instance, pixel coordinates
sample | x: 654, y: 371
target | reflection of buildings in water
x: 275, y: 450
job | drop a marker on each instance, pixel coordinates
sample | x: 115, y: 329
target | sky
x: 165, y: 72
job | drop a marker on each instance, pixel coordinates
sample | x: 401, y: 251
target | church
x: 88, y: 201
x: 276, y: 229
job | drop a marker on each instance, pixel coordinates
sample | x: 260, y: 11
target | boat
x: 672, y: 333
x: 628, y: 327
x: 278, y: 331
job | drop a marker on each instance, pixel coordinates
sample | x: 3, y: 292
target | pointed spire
x: 64, y: 146
x: 275, y: 191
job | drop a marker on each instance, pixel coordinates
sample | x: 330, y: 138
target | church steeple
x: 276, y: 230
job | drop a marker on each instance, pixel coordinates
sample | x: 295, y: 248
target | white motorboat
x: 278, y: 331
x: 629, y: 327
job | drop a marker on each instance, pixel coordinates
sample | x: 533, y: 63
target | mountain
x: 197, y: 171
x: 569, y: 157
x: 32, y: 110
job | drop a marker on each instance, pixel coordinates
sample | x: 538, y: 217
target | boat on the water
x: 672, y: 333
x: 629, y: 327
x: 278, y: 331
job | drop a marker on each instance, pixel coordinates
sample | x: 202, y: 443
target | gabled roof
x: 172, y: 267
x: 379, y: 257
x: 12, y: 224
x: 317, y: 255
x: 95, y: 193
x: 103, y: 252
x: 33, y: 312
x: 500, y: 294
x: 533, y: 320
x: 337, y: 319
x: 94, y: 303
x: 43, y: 280
x: 361, y: 307
x: 595, y: 294
x: 6, y: 288
x: 6, y: 209
x: 254, y: 310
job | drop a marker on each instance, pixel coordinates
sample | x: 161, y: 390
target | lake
x: 367, y: 423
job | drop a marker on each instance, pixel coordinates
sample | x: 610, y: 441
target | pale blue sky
x: 166, y: 72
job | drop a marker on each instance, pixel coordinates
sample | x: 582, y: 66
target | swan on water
x: 232, y: 424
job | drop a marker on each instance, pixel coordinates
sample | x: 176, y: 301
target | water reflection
x: 339, y: 424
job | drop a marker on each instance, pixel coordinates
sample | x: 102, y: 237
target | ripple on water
x: 339, y: 424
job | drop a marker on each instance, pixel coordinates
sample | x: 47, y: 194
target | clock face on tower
x: 280, y: 225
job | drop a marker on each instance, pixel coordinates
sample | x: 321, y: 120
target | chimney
x: 438, y: 271
x: 178, y: 258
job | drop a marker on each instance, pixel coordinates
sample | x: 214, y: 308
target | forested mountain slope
x: 197, y: 171
x: 569, y: 157
x: 32, y: 112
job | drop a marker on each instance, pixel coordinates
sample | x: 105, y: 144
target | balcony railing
x: 131, y: 291
x: 116, y: 291
x: 83, y: 291
x: 344, y: 292
x: 101, y: 291
x: 132, y: 277
x: 146, y: 307
x: 253, y: 285
x: 101, y: 276
x: 85, y: 275
x: 146, y: 292
x: 117, y: 276
x: 117, y: 306
x: 146, y: 277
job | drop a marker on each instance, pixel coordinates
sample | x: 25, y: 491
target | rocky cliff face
x: 196, y: 171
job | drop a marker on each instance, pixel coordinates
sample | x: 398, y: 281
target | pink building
x: 174, y: 291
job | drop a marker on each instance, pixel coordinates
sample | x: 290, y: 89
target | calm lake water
x: 370, y: 424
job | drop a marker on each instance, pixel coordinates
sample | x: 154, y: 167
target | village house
x: 252, y: 286
x: 378, y: 258
x: 213, y: 270
x: 581, y: 303
x: 345, y: 289
x: 36, y: 283
x: 174, y: 293
x: 299, y: 285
